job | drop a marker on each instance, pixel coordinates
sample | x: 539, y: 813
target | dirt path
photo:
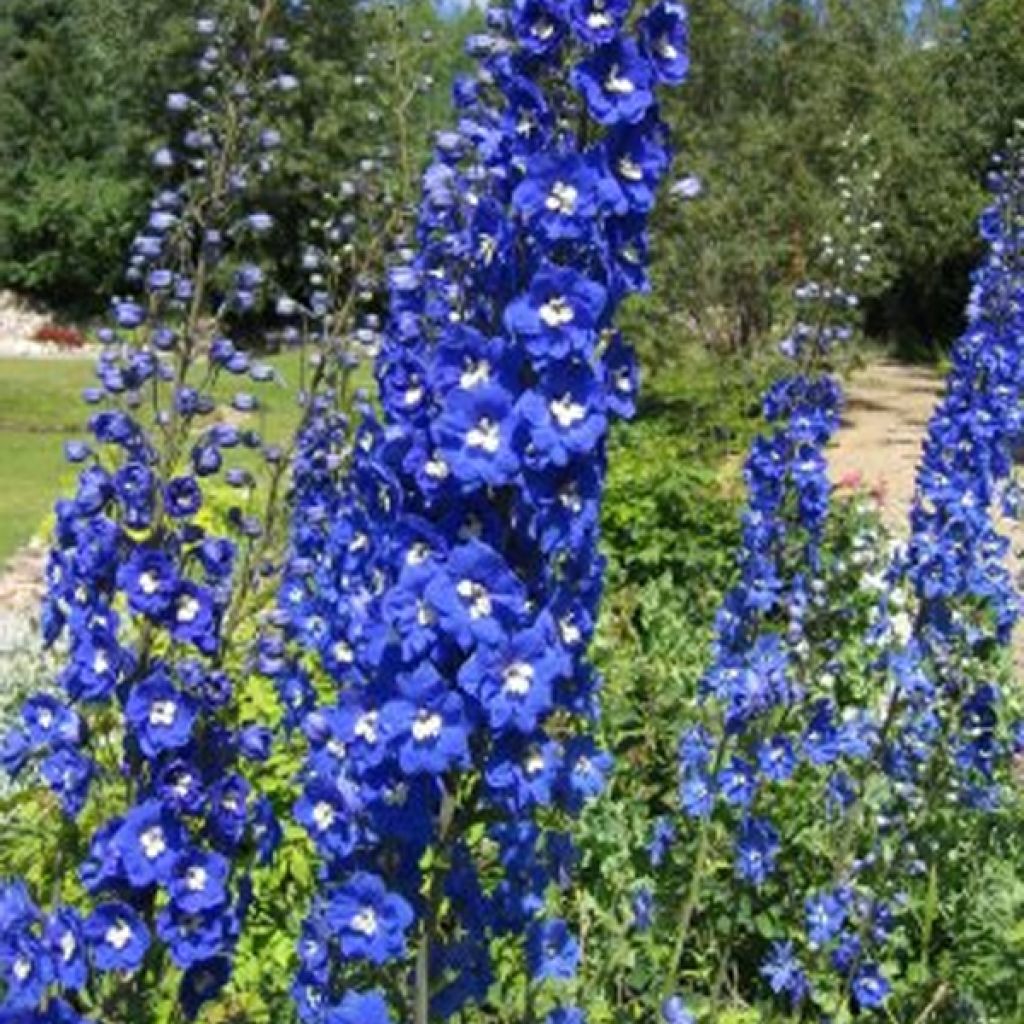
x: 887, y: 410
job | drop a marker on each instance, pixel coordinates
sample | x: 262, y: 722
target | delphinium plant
x: 768, y: 715
x: 942, y: 762
x: 448, y: 609
x: 143, y: 823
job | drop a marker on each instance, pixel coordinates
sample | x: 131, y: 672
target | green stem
x: 693, y: 890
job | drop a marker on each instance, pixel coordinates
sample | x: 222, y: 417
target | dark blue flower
x: 160, y: 714
x: 617, y: 82
x: 369, y: 920
x: 117, y: 937
x: 870, y: 987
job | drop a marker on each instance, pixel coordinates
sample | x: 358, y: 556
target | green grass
x: 40, y: 407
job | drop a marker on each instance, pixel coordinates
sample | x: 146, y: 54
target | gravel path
x: 888, y: 406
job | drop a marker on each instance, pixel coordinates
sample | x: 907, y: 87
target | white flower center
x: 571, y: 634
x: 543, y: 29
x: 534, y: 763
x: 557, y: 312
x: 427, y: 726
x: 476, y: 371
x: 477, y: 596
x: 100, y: 663
x: 616, y: 83
x: 366, y: 727
x: 664, y: 49
x: 630, y: 170
x: 148, y: 583
x: 342, y: 652
x: 570, y: 498
x: 418, y: 553
x: 562, y: 198
x: 163, y: 712
x: 188, y: 609
x: 153, y: 842
x: 486, y: 435
x: 413, y: 395
x: 598, y: 19
x: 22, y: 968
x: 436, y: 468
x: 397, y: 795
x: 425, y: 614
x: 195, y: 878
x: 119, y: 934
x: 365, y: 922
x: 519, y: 678
x: 67, y: 946
x: 323, y: 815
x: 566, y: 412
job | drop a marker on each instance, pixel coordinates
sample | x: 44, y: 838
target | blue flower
x: 476, y: 596
x: 26, y: 969
x: 785, y: 974
x: 561, y: 196
x: 757, y: 845
x: 199, y: 881
x: 149, y: 578
x: 563, y: 415
x: 616, y: 82
x: 201, y: 982
x: 148, y: 842
x: 826, y: 915
x: 514, y: 683
x: 870, y: 987
x: 664, y: 38
x: 117, y: 937
x: 663, y: 835
x: 69, y: 773
x: 559, y: 314
x: 358, y: 1008
x: 195, y: 937
x: 674, y: 1011
x: 432, y: 735
x: 475, y: 436
x: 161, y: 715
x: 65, y: 940
x: 552, y: 951
x: 597, y: 21
x: 369, y: 920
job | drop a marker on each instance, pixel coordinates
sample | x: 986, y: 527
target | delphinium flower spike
x: 143, y: 744
x: 767, y: 681
x: 464, y: 570
x: 948, y: 609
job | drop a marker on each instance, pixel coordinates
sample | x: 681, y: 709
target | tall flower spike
x: 765, y: 693
x: 952, y: 602
x: 146, y: 747
x: 462, y: 572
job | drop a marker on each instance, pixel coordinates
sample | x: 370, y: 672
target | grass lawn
x: 40, y: 407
